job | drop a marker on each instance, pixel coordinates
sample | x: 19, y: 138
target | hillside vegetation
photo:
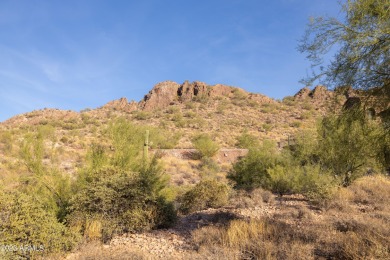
x: 69, y: 180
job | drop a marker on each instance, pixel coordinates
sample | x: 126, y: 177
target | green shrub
x: 350, y: 143
x: 315, y: 183
x: 121, y: 201
x: 205, y: 194
x: 246, y: 140
x: 6, y: 139
x: 289, y: 101
x: 251, y: 171
x: 142, y: 115
x: 205, y: 145
x: 49, y: 185
x: 239, y: 94
x: 203, y: 99
x: 127, y: 140
x: 267, y: 127
x: 25, y: 222
x: 282, y: 180
x: 222, y: 106
x: 209, y: 165
x: 296, y: 124
x: 190, y: 114
x: 307, y: 180
x: 173, y: 110
x: 190, y: 105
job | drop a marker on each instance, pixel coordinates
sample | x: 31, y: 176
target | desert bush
x: 251, y: 171
x: 267, y: 127
x: 52, y: 187
x: 282, y: 180
x: 6, y: 139
x: 32, y: 152
x: 246, y: 140
x: 308, y: 180
x: 121, y: 201
x: 221, y: 107
x: 205, y: 145
x: 250, y: 199
x: 123, y: 134
x: 142, y: 115
x: 97, y: 157
x: 285, y: 172
x: 190, y: 105
x: 26, y: 222
x: 203, y: 99
x: 239, y: 94
x: 296, y: 124
x: 127, y: 140
x: 177, y: 118
x: 205, y: 194
x: 173, y: 110
x: 289, y: 101
x: 208, y: 165
x: 349, y: 144
x: 315, y: 183
x: 190, y: 114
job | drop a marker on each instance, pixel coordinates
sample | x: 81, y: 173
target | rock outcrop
x: 122, y: 104
x: 188, y: 91
x: 168, y: 92
x: 303, y: 93
x: 160, y: 96
x: 318, y: 94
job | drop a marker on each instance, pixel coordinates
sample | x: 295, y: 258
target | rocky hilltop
x: 193, y: 107
x: 170, y: 93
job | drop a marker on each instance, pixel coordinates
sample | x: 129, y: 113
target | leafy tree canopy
x: 362, y: 44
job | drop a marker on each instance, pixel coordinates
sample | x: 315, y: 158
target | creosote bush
x: 251, y: 171
x: 247, y: 140
x: 25, y: 221
x: 121, y: 201
x: 205, y: 194
x: 205, y: 145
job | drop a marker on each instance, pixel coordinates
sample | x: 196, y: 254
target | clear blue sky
x: 78, y: 54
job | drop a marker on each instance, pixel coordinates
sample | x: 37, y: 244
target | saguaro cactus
x: 146, y: 145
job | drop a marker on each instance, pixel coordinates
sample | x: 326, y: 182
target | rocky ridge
x: 165, y: 94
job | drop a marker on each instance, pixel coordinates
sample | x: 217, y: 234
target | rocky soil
x: 177, y: 242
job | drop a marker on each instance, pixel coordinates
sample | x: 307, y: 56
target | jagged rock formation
x: 168, y: 92
x: 160, y: 96
x: 319, y: 93
x: 122, y: 104
x: 188, y: 91
x: 303, y: 93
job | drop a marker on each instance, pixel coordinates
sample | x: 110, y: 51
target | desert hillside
x: 182, y: 111
x: 195, y: 171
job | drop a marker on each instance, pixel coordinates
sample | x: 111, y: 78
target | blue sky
x: 84, y: 53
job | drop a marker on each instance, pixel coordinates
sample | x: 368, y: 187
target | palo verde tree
x: 361, y: 42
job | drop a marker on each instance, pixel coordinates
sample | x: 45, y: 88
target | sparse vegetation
x: 206, y: 194
x: 313, y: 184
x: 205, y: 145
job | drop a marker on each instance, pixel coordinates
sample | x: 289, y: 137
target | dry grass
x: 355, y: 224
x: 250, y: 199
